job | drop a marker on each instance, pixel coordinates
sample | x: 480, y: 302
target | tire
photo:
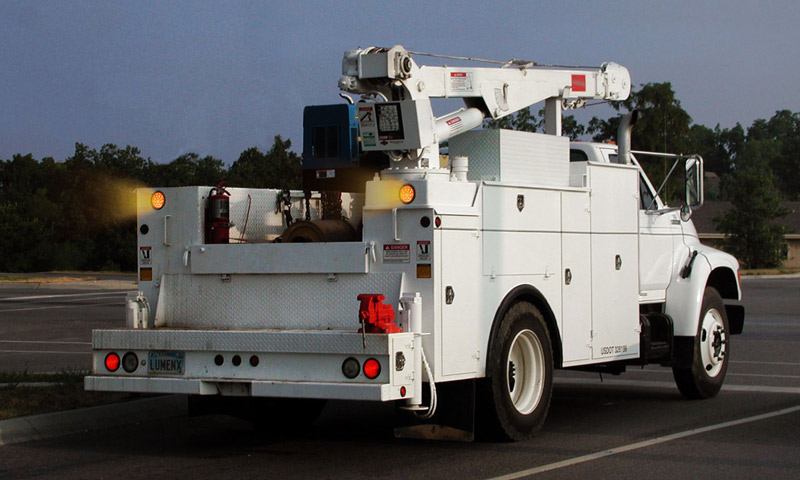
x: 515, y: 396
x: 711, y: 351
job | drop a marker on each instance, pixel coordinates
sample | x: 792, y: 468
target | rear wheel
x: 520, y: 375
x: 711, y: 351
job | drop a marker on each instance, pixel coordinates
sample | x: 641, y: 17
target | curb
x: 785, y: 275
x: 48, y: 425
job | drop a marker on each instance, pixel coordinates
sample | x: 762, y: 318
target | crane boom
x: 396, y: 115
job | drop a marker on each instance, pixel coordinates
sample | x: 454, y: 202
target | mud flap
x: 735, y: 315
x: 454, y: 419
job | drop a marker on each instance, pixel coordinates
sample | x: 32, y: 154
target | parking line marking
x: 766, y: 375
x: 762, y: 375
x: 671, y: 385
x: 644, y: 444
x: 41, y: 297
x: 766, y: 363
x: 45, y: 351
x: 58, y: 306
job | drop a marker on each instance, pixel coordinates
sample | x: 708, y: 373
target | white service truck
x: 454, y: 292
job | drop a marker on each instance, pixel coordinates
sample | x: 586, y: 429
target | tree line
x: 79, y: 213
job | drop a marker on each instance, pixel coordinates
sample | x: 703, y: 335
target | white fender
x: 685, y: 295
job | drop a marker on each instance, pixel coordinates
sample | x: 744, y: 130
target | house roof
x: 703, y: 217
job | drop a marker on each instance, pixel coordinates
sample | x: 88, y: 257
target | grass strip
x: 52, y: 392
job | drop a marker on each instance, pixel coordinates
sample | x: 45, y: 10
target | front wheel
x: 711, y: 351
x: 520, y: 375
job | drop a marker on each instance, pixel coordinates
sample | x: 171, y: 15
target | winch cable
x: 515, y: 62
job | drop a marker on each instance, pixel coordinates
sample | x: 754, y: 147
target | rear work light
x: 407, y: 193
x: 372, y: 369
x: 157, y: 200
x: 112, y: 362
x: 350, y: 368
x: 130, y: 362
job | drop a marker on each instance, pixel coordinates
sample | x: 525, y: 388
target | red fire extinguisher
x: 218, y: 217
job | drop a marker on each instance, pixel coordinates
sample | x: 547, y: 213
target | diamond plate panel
x: 511, y: 156
x: 294, y: 301
x: 483, y: 149
x: 327, y: 342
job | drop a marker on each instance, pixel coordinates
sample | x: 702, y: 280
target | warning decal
x: 461, y: 82
x: 366, y: 116
x: 579, y: 83
x: 144, y: 255
x: 397, y: 253
x: 423, y: 251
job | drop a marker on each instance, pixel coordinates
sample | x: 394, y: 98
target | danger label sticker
x: 144, y: 255
x: 400, y: 253
x: 461, y: 82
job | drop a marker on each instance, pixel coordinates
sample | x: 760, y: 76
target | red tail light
x: 112, y: 362
x: 372, y: 368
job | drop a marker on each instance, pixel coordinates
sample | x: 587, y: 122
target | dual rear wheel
x: 515, y: 396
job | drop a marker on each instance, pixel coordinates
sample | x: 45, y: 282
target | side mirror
x: 694, y: 185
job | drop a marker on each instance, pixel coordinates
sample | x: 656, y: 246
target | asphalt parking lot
x: 633, y: 424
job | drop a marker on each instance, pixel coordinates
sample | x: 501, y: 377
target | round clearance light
x: 157, y: 200
x: 112, y: 362
x: 130, y: 362
x: 407, y: 193
x: 254, y: 361
x: 351, y: 367
x: 372, y: 368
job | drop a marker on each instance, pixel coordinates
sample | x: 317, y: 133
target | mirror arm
x: 662, y: 211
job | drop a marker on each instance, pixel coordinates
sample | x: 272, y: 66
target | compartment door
x: 460, y: 302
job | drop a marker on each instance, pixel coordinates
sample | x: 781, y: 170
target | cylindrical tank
x: 319, y: 231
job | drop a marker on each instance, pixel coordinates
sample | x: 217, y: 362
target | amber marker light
x: 407, y: 193
x: 157, y: 200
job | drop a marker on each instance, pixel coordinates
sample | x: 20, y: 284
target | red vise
x: 375, y: 316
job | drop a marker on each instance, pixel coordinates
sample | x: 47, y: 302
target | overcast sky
x: 219, y: 77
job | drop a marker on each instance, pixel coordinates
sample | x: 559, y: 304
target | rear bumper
x: 255, y: 388
x: 259, y: 363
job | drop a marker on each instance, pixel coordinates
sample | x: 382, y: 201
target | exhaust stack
x: 624, y: 137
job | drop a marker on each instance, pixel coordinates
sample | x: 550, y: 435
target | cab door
x: 657, y: 234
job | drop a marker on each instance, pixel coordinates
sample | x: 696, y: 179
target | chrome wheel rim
x: 713, y: 343
x: 525, y: 372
